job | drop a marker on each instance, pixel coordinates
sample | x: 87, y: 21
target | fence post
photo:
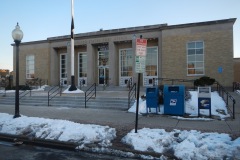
x: 227, y: 98
x: 95, y: 85
x: 85, y: 99
x: 234, y: 109
x: 233, y: 86
x: 48, y: 98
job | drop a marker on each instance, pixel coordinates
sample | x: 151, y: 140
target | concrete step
x: 70, y: 101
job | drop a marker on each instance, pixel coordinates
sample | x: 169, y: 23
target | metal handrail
x: 226, y: 96
x: 131, y: 94
x: 129, y: 83
x: 236, y: 86
x: 25, y: 92
x: 54, y: 92
x: 90, y: 89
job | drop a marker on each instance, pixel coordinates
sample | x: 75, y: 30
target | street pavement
x: 123, y: 120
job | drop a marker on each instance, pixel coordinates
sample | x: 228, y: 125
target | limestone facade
x: 168, y: 41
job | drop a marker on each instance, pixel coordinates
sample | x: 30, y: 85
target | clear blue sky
x: 40, y: 19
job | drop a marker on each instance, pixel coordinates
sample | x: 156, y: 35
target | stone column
x: 69, y: 64
x: 113, y: 64
x: 160, y: 55
x: 90, y: 64
x: 135, y: 75
x: 54, y: 67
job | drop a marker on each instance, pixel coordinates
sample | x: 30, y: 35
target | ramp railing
x: 131, y: 94
x: 53, y: 92
x: 89, y: 93
x: 227, y: 97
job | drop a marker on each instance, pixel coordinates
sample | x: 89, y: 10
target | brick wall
x: 218, y: 51
x: 40, y: 52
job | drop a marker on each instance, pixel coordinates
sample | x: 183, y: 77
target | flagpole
x: 72, y: 87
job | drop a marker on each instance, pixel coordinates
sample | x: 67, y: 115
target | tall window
x: 63, y: 69
x: 151, y: 61
x: 151, y: 74
x: 195, y: 58
x: 82, y: 64
x: 63, y: 66
x: 103, y: 58
x: 126, y: 61
x: 30, y: 67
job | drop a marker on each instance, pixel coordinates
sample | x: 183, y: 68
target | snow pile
x: 60, y: 130
x: 238, y: 91
x: 42, y: 88
x: 76, y: 91
x: 184, y: 144
x: 7, y: 91
x: 218, y: 106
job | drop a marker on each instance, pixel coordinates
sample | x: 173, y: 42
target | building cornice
x: 131, y: 30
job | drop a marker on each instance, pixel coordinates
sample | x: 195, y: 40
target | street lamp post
x: 17, y: 36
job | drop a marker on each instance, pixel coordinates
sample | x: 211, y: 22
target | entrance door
x: 125, y: 67
x: 63, y: 69
x: 82, y: 69
x: 103, y: 76
x: 151, y: 74
x: 103, y: 67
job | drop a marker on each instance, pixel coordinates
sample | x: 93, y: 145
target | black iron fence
x: 236, y: 86
x: 227, y: 97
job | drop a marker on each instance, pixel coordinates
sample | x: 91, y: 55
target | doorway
x: 103, y: 67
x: 103, y: 75
x: 63, y: 69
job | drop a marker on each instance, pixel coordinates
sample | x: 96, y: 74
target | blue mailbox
x: 204, y: 99
x: 152, y: 96
x: 174, y: 99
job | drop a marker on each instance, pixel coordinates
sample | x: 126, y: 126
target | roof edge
x: 134, y: 29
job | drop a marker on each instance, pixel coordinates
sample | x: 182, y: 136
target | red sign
x: 141, y: 47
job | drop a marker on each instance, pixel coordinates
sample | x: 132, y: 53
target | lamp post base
x: 72, y: 87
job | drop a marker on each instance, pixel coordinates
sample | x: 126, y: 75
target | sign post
x: 140, y: 67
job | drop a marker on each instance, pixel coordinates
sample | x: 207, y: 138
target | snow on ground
x: 13, y: 91
x: 238, y: 91
x: 42, y: 89
x: 76, y: 91
x: 185, y: 144
x: 61, y: 130
x: 218, y: 106
x: 182, y: 144
x: 7, y: 91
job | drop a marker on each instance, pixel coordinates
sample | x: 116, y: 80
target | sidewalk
x: 126, y: 121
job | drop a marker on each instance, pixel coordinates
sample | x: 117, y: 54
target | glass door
x: 63, y: 69
x: 125, y: 67
x: 103, y: 67
x: 103, y: 76
x: 82, y: 69
x: 150, y: 77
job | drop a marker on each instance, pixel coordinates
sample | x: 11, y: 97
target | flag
x: 72, y: 29
x: 72, y: 24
